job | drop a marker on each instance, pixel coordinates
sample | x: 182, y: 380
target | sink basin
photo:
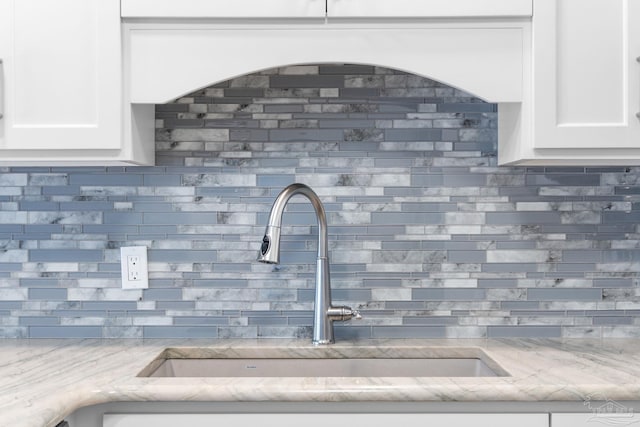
x: 446, y: 362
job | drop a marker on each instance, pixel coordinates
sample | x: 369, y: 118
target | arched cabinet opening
x: 326, y: 110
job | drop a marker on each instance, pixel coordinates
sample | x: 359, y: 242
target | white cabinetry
x: 428, y: 8
x: 585, y: 86
x: 223, y: 9
x: 318, y: 8
x: 61, y: 84
x: 324, y: 420
x: 625, y: 417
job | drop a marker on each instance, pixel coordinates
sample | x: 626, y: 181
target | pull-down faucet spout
x: 324, y: 314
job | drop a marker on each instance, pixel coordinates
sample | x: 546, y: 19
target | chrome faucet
x: 324, y: 314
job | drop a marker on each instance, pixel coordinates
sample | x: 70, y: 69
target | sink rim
x: 296, y: 353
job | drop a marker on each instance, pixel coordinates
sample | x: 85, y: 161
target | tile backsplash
x: 428, y: 237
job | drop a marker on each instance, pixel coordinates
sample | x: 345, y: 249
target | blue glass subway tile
x: 621, y: 217
x: 613, y: 283
x: 519, y: 305
x: 503, y: 218
x: 50, y: 294
x: 109, y: 229
x: 396, y: 218
x: 39, y: 206
x: 351, y: 332
x: 467, y: 256
x: 221, y: 283
x: 186, y: 218
x: 584, y: 256
x: 451, y: 294
x: 109, y: 305
x: 69, y: 190
x: 65, y: 332
x: 40, y: 282
x: 122, y: 218
x: 300, y: 320
x: 497, y: 283
x: 267, y: 321
x: 38, y: 321
x: 176, y: 305
x: 180, y: 331
x: 10, y: 266
x: 141, y: 313
x: 430, y: 321
x: 89, y: 205
x: 404, y: 305
x: 173, y: 256
x: 306, y: 81
x: 612, y: 320
x: 201, y: 320
x: 616, y: 256
x: 408, y: 332
x: 524, y: 331
x: 76, y: 313
x: 162, y: 294
x: 67, y: 255
x: 564, y: 294
x: 101, y: 180
x: 10, y: 305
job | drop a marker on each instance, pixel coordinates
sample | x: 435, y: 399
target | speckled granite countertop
x: 42, y: 381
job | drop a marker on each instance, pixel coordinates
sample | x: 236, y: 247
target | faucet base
x: 322, y: 342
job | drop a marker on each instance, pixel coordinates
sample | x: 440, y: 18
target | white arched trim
x: 168, y: 62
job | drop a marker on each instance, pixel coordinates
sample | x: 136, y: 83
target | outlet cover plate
x: 135, y: 275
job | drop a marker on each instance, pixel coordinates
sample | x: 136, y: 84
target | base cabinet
x: 610, y: 414
x: 326, y: 420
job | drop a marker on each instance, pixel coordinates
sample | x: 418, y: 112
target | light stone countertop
x: 42, y: 381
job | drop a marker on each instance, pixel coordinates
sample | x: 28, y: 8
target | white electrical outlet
x: 134, y: 270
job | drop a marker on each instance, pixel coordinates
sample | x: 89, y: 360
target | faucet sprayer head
x: 270, y: 248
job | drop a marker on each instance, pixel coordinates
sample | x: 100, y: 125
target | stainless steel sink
x: 446, y: 362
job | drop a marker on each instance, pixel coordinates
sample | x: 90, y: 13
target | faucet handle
x: 343, y: 313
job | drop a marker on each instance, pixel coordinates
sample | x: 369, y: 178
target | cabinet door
x: 223, y: 9
x: 586, y: 77
x: 599, y: 417
x: 61, y: 76
x: 428, y: 8
x: 5, y: 50
x: 324, y: 420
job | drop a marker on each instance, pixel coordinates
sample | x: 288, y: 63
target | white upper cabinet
x: 564, y: 73
x: 585, y: 87
x: 586, y: 77
x: 428, y: 8
x: 61, y: 83
x: 318, y: 8
x: 223, y: 9
x: 5, y: 50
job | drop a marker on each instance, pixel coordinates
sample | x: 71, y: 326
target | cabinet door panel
x: 428, y: 8
x: 5, y: 51
x: 586, y: 77
x: 62, y: 77
x: 223, y: 9
x: 324, y: 420
x: 590, y: 62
